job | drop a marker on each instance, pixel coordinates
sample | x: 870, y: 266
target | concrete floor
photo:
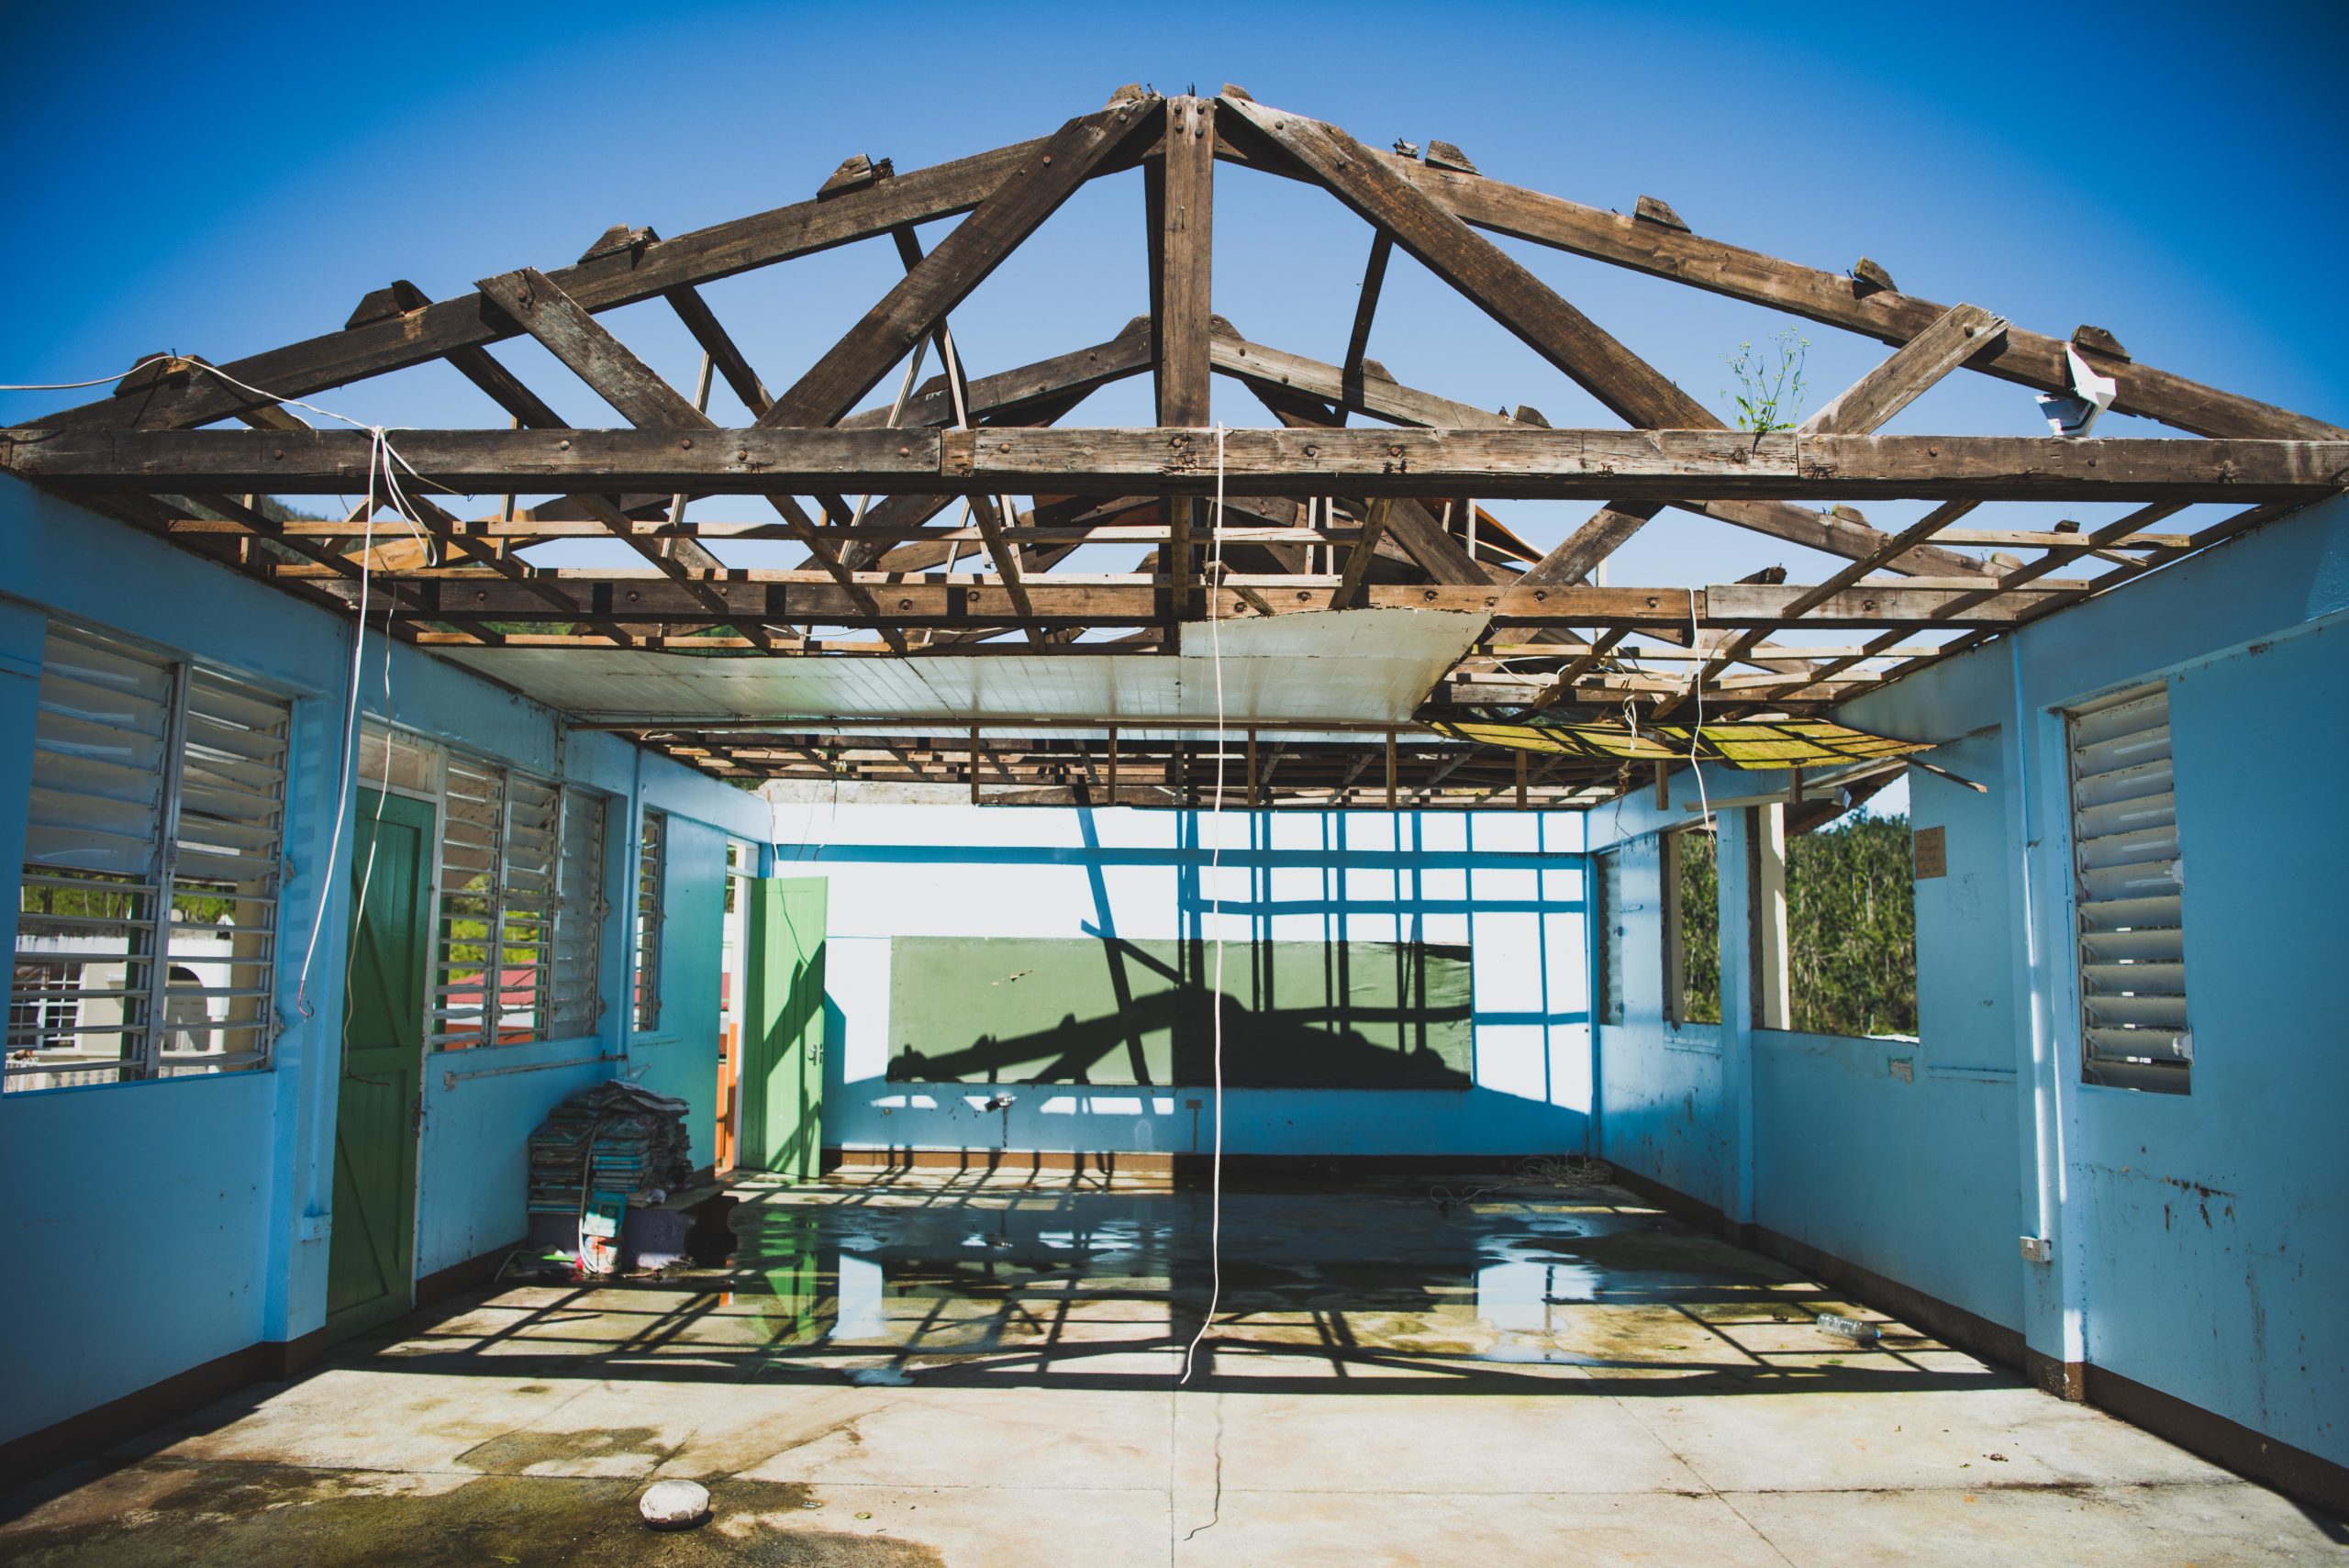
x: 915, y: 1372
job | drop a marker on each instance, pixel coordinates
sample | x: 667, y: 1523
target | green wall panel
x: 1078, y: 1010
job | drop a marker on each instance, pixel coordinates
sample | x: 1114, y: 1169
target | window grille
x: 519, y: 936
x: 577, y: 1000
x: 146, y: 939
x: 651, y: 856
x: 2129, y: 883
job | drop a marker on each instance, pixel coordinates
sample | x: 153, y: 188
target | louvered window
x: 2129, y: 883
x: 1606, y: 918
x: 521, y: 907
x: 146, y: 936
x: 577, y: 998
x: 652, y: 858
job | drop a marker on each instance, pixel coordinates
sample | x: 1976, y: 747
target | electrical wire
x: 1696, y: 689
x: 384, y: 459
x: 1214, y: 873
x: 96, y: 381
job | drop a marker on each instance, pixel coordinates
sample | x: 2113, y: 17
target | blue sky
x: 222, y: 179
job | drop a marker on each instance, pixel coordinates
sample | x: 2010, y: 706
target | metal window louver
x: 651, y: 859
x: 2129, y: 887
x: 145, y: 940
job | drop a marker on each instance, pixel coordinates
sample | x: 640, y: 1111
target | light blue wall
x: 2196, y: 1238
x: 1507, y: 884
x: 172, y: 1223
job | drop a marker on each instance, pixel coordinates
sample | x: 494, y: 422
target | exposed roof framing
x: 919, y: 545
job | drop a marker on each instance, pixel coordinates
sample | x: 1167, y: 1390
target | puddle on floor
x: 942, y: 1269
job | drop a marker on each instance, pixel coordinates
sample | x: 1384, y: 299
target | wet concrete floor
x: 969, y: 1372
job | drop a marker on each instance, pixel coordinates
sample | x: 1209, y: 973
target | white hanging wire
x: 1215, y: 872
x: 1697, y: 688
x: 383, y: 460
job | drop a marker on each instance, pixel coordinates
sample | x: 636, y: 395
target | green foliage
x: 1852, y: 914
x: 1700, y: 928
x: 1769, y: 381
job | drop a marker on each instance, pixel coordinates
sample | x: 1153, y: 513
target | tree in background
x: 1852, y: 919
x: 1701, y: 927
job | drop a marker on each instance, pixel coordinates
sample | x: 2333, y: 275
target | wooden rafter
x: 1316, y: 514
x: 1521, y: 463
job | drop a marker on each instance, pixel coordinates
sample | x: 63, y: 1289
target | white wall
x: 1507, y: 884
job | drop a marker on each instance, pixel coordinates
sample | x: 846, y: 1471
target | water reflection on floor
x: 910, y: 1371
x: 885, y: 1281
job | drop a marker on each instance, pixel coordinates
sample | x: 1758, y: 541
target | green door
x: 782, y: 1025
x: 370, y: 1257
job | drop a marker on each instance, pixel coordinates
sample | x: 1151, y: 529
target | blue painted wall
x: 1507, y: 884
x: 2194, y: 1239
x: 174, y: 1222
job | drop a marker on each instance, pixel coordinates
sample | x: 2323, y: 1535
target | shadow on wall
x: 1342, y: 1014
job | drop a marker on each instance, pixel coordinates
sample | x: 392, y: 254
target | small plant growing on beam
x: 1769, y: 381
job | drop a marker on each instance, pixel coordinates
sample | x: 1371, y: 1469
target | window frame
x: 652, y: 888
x: 225, y: 746
x: 2171, y: 1073
x: 423, y: 765
x: 1673, y: 927
x: 1608, y: 908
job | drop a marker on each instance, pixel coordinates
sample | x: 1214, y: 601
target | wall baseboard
x: 471, y: 1275
x: 273, y: 1361
x: 2303, y: 1476
x: 101, y: 1427
x: 2298, y: 1473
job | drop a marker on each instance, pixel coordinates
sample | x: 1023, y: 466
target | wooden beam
x: 1010, y: 395
x: 1524, y: 461
x: 645, y: 400
x: 811, y: 597
x: 1409, y: 523
x: 1628, y: 385
x: 1182, y: 213
x: 719, y: 345
x: 1185, y: 246
x: 1359, y: 557
x: 398, y: 340
x: 1621, y: 240
x: 1031, y: 191
x: 1961, y: 332
x: 1373, y: 279
x: 1956, y: 336
x: 1272, y: 372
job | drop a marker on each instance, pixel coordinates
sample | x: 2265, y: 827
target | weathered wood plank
x: 1031, y: 189
x: 644, y: 399
x: 1373, y: 280
x: 1524, y: 461
x: 623, y: 277
x: 1012, y: 395
x: 2031, y: 358
x: 1497, y: 283
x: 1620, y: 239
x: 807, y: 597
x: 1956, y: 336
x: 1185, y: 246
x: 1271, y: 371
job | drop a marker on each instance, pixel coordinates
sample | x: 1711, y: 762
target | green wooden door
x: 371, y: 1259
x: 782, y: 1054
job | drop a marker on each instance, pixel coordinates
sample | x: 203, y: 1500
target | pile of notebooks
x: 606, y: 1148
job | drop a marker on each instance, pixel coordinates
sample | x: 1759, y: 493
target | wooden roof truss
x: 917, y: 543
